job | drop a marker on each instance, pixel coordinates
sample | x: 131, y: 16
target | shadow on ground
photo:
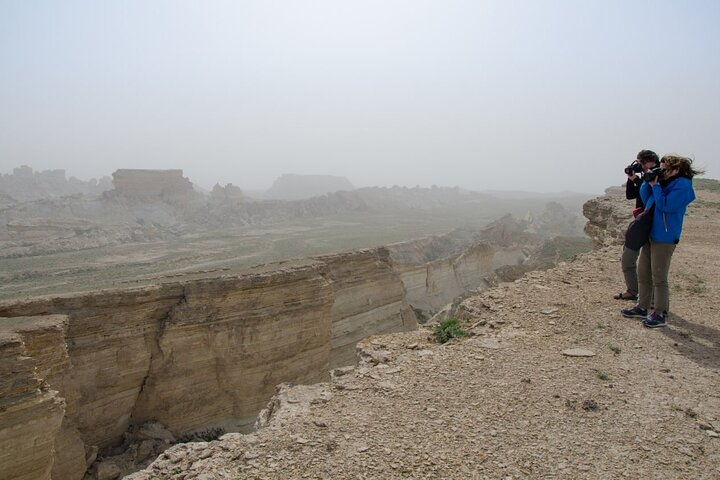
x: 697, y: 342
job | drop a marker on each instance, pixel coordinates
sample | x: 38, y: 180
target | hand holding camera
x: 650, y: 176
x: 653, y: 175
x: 633, y: 168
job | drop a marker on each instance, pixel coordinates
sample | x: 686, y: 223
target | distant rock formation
x: 25, y: 185
x: 608, y: 217
x: 149, y: 206
x: 167, y: 185
x: 206, y: 353
x: 298, y: 187
x: 557, y: 220
x: 227, y: 194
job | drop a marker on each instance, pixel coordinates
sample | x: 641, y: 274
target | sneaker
x: 634, y: 312
x: 655, y: 320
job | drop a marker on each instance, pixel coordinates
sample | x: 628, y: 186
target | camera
x: 651, y: 175
x: 634, y: 167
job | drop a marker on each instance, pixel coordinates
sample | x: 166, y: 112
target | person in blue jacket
x: 670, y: 193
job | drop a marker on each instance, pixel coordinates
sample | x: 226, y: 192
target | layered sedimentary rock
x: 436, y: 270
x: 225, y: 345
x: 107, y: 341
x: 608, y: 217
x: 369, y: 299
x: 205, y: 353
x: 30, y: 413
x: 44, y: 341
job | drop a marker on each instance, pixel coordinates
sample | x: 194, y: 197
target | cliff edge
x: 553, y: 382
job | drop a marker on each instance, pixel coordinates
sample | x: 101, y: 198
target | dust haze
x: 535, y: 96
x: 203, y: 203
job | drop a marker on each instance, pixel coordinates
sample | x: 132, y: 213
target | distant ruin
x: 167, y: 185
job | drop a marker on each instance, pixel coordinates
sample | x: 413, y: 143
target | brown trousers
x: 653, y: 268
x: 629, y: 268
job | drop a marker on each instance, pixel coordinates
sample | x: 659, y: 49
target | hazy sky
x: 537, y: 95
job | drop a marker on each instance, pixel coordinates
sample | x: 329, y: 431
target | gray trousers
x: 629, y: 268
x: 653, y: 268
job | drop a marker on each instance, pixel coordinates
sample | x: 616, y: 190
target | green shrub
x: 602, y: 375
x: 448, y: 329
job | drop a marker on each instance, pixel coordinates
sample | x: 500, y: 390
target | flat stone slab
x: 578, y: 352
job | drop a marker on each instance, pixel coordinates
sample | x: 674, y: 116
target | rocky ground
x: 512, y: 400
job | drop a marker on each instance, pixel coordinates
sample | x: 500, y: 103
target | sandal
x: 625, y: 296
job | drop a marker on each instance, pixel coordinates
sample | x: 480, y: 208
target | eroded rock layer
x: 608, y: 217
x: 223, y: 347
x: 44, y: 341
x: 30, y: 413
x: 206, y: 354
x: 436, y: 270
x: 369, y: 299
x: 196, y: 355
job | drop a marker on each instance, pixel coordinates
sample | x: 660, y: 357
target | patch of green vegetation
x: 448, y: 329
x: 602, y: 375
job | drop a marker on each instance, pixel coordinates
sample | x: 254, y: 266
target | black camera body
x: 634, y: 167
x: 651, y: 175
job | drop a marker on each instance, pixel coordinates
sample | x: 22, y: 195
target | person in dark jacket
x: 671, y: 194
x: 647, y: 160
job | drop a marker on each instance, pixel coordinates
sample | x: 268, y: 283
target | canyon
x: 551, y: 381
x: 203, y: 354
x: 122, y: 363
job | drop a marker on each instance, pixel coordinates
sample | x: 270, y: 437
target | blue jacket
x: 670, y: 202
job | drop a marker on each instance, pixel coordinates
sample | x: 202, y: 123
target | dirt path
x: 506, y: 403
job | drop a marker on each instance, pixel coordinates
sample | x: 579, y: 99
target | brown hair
x: 683, y: 164
x: 647, y: 156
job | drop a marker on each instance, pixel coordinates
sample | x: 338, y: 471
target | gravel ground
x: 506, y: 402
